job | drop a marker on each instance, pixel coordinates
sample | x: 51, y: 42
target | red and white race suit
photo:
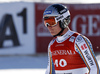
x: 71, y: 53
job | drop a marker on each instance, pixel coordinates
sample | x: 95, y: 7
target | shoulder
x: 83, y: 41
x: 81, y: 38
x: 51, y: 42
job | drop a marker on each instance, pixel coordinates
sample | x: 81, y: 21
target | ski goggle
x: 50, y: 21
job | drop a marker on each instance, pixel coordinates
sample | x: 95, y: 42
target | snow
x: 13, y: 62
x: 23, y: 64
x: 23, y: 71
x: 26, y: 64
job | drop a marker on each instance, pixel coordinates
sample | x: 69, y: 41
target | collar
x: 65, y: 36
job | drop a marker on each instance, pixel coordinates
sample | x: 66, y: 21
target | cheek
x: 54, y: 30
x: 57, y: 29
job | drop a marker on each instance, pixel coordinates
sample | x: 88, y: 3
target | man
x: 69, y: 52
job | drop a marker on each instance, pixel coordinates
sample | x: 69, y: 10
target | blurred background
x: 24, y: 38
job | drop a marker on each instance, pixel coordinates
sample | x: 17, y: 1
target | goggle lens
x: 50, y: 21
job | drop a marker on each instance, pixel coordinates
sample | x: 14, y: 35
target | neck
x: 65, y: 30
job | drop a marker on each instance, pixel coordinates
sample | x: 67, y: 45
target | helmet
x: 60, y: 12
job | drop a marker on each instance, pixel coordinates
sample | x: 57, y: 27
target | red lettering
x: 83, y: 46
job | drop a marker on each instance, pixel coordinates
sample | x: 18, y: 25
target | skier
x: 69, y: 52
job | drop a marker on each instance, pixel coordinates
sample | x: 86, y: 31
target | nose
x: 50, y: 26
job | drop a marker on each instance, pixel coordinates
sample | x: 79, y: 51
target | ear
x: 61, y: 24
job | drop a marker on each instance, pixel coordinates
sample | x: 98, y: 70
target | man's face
x: 54, y: 30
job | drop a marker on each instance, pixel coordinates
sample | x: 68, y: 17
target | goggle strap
x: 56, y: 21
x: 62, y: 16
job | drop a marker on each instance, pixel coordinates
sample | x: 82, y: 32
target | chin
x: 53, y: 34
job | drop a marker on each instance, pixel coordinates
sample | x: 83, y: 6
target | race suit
x: 71, y: 53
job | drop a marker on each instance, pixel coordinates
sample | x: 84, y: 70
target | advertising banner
x: 43, y: 36
x: 84, y: 19
x: 17, y: 28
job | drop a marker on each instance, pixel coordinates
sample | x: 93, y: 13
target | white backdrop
x: 55, y: 1
x: 26, y: 40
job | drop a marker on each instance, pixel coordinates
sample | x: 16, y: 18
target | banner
x: 43, y: 36
x: 17, y: 28
x: 84, y: 19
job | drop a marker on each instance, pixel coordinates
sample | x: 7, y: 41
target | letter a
x: 7, y: 21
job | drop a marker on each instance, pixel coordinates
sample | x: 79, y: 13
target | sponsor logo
x: 83, y: 47
x: 63, y: 52
x: 79, y: 39
x: 47, y: 12
x: 63, y: 11
x: 87, y: 24
x: 59, y: 45
x: 72, y: 39
x: 59, y: 17
x: 89, y: 57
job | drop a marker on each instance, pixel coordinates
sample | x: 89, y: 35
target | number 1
x: 23, y: 14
